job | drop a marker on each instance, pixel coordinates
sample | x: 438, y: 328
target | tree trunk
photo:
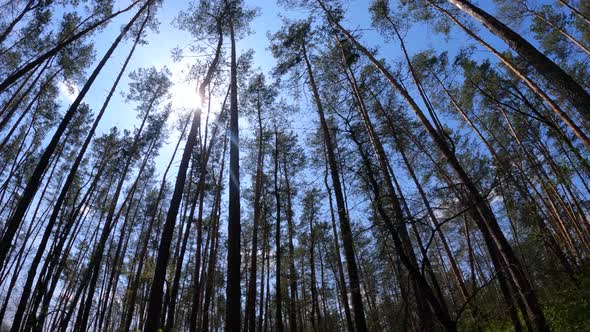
x: 575, y: 11
x: 156, y: 291
x: 233, y: 294
x: 342, y: 281
x: 399, y: 230
x: 14, y: 222
x: 347, y: 239
x: 279, y: 311
x: 293, y: 308
x: 563, y: 83
x: 576, y: 129
x: 250, y: 315
x: 483, y: 214
x: 66, y: 186
x: 11, y: 79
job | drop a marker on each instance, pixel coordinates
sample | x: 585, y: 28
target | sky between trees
x: 301, y: 165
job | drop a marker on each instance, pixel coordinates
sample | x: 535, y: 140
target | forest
x: 294, y: 165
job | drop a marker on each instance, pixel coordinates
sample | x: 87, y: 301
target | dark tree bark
x: 357, y: 302
x: 66, y: 187
x: 576, y: 129
x: 11, y: 79
x: 340, y: 268
x: 279, y: 311
x: 250, y: 315
x: 482, y: 214
x: 155, y: 303
x: 293, y: 309
x: 563, y: 83
x: 396, y: 224
x: 215, y: 243
x: 233, y: 294
x: 28, y: 7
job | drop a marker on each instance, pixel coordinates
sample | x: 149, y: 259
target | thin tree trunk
x: 11, y: 79
x: 342, y: 281
x: 293, y: 308
x: 495, y: 239
x: 209, y: 288
x: 564, y: 33
x: 345, y: 230
x: 250, y: 315
x: 35, y: 180
x: 66, y: 186
x: 575, y: 11
x: 233, y: 294
x: 156, y: 290
x: 399, y: 232
x: 279, y: 311
x: 530, y: 83
x: 28, y: 7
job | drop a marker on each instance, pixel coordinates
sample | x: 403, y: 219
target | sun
x: 184, y: 95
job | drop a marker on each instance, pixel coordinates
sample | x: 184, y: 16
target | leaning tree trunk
x: 347, y: 239
x: 425, y: 295
x: 28, y: 7
x: 156, y: 291
x: 66, y: 186
x: 576, y: 129
x: 483, y: 215
x: 11, y: 79
x: 35, y: 180
x: 564, y: 33
x: 92, y: 272
x: 575, y: 11
x: 563, y: 83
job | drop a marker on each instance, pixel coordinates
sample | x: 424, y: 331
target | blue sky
x: 157, y: 54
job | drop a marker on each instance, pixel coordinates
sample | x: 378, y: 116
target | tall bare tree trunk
x: 482, y: 214
x: 233, y: 293
x: 279, y: 300
x: 347, y: 239
x: 250, y: 315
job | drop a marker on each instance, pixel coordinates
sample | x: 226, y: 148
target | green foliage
x: 566, y: 304
x: 288, y: 44
x: 552, y: 41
